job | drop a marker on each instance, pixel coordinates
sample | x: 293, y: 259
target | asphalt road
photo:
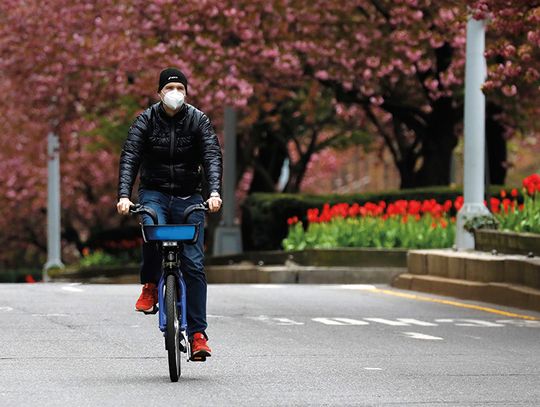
x: 83, y: 345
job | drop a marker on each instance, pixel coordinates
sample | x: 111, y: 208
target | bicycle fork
x: 185, y: 346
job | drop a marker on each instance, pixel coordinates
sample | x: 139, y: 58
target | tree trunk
x: 436, y: 148
x: 267, y: 164
x: 496, y: 152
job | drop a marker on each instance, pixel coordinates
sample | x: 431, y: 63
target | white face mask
x: 174, y: 99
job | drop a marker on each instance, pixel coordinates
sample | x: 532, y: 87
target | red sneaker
x: 148, y: 298
x: 199, y: 348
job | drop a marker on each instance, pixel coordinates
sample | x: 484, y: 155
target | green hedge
x: 264, y: 215
x: 19, y: 275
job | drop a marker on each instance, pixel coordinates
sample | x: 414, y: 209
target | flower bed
x: 519, y: 218
x: 407, y: 223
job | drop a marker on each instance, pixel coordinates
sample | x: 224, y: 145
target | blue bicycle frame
x: 182, y: 304
x: 171, y: 238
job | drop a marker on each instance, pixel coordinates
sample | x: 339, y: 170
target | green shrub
x: 100, y: 258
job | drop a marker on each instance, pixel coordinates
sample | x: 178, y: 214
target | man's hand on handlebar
x: 123, y: 206
x: 214, y: 202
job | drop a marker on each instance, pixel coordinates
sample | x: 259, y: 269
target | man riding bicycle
x: 173, y: 144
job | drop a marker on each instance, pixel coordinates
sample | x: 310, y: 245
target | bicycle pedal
x: 198, y: 359
x: 154, y: 311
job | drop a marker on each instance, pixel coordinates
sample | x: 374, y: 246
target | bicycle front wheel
x: 172, y: 331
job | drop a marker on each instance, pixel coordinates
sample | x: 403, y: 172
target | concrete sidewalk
x: 312, y: 266
x: 249, y: 273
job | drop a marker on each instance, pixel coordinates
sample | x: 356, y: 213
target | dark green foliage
x: 481, y: 222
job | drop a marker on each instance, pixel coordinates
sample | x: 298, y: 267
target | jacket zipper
x: 171, y: 167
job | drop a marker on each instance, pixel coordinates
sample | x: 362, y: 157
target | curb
x: 247, y: 273
x: 295, y: 274
x: 311, y: 266
x: 512, y: 295
x: 476, y: 266
x: 253, y: 274
x: 511, y: 280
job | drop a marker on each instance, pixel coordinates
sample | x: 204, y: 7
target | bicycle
x: 171, y: 287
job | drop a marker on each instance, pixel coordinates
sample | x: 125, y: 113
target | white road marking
x: 338, y: 321
x: 50, y: 315
x: 372, y: 368
x: 416, y: 322
x: 327, y: 321
x: 259, y: 318
x: 470, y: 322
x: 72, y: 289
x: 417, y: 335
x: 520, y: 323
x: 350, y: 321
x: 477, y: 322
x: 267, y: 285
x: 6, y: 309
x: 287, y: 321
x: 387, y: 321
x: 275, y: 321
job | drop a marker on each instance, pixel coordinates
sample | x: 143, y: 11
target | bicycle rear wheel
x: 172, y: 331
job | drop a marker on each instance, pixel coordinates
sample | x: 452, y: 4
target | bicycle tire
x: 173, y: 327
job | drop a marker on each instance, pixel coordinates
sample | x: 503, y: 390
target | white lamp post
x: 474, y: 150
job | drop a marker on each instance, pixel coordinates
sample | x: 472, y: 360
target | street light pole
x: 53, y: 205
x: 475, y: 139
x: 228, y: 236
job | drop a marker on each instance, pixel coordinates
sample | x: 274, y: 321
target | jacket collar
x: 178, y: 116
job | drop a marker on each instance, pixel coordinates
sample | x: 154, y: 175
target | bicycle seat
x: 187, y: 233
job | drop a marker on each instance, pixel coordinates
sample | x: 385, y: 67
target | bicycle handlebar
x: 197, y: 207
x: 138, y: 209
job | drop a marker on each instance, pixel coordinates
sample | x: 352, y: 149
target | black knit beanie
x: 171, y: 75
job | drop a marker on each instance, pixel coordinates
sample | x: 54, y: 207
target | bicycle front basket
x: 173, y: 233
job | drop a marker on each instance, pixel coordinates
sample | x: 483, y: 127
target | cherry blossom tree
x: 305, y: 75
x: 59, y: 65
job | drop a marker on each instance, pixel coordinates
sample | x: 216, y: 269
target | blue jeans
x: 170, y: 209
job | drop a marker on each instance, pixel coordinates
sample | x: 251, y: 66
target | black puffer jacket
x: 171, y: 152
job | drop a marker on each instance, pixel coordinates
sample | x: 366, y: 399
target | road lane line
x: 372, y: 368
x: 413, y: 321
x: 72, y: 289
x: 477, y: 322
x: 454, y: 303
x: 327, y: 321
x: 350, y: 321
x: 417, y: 335
x: 387, y: 321
x: 6, y: 309
x: 287, y: 321
x: 520, y: 323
